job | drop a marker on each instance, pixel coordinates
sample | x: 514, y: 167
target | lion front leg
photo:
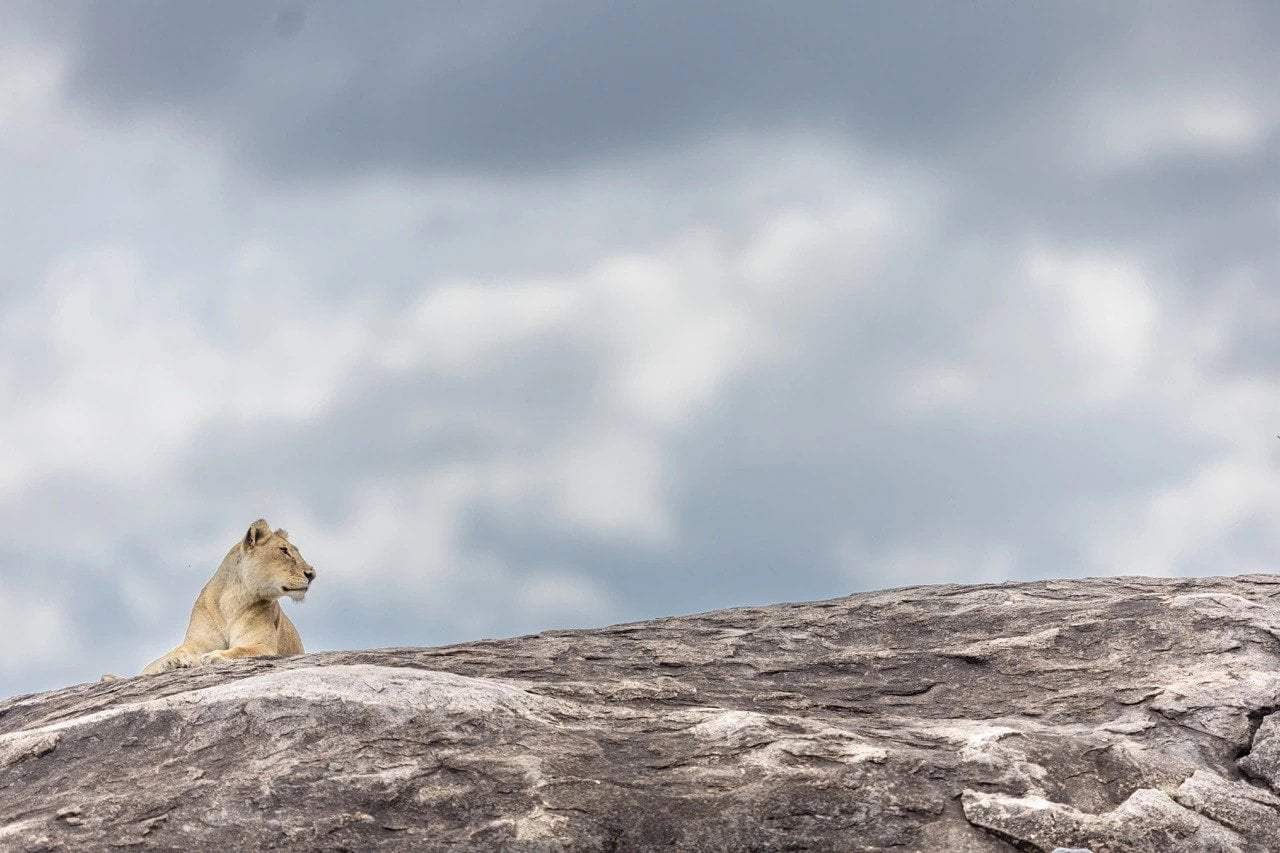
x: 237, y: 652
x: 181, y: 657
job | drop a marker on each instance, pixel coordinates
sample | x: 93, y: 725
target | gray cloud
x: 515, y: 86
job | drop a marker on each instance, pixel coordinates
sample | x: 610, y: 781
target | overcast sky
x: 524, y: 315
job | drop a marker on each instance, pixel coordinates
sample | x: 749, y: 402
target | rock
x: 1252, y: 812
x: 1146, y: 820
x: 1262, y: 760
x: 1123, y: 714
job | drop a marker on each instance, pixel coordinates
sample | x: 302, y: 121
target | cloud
x: 128, y: 371
x: 46, y: 636
x: 1088, y: 325
x: 460, y: 327
x: 961, y: 561
x: 500, y: 85
x: 1153, y: 128
x: 30, y: 80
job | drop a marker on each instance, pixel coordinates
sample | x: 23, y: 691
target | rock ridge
x: 1107, y: 714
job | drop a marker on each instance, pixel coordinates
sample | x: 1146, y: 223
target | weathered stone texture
x: 1124, y: 714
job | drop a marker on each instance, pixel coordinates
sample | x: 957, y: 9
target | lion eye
x: 284, y: 550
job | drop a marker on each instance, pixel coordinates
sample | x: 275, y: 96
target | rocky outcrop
x: 1123, y: 714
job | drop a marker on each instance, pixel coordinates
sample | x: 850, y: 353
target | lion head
x: 271, y: 566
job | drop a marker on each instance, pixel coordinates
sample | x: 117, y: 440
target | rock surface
x: 1124, y: 714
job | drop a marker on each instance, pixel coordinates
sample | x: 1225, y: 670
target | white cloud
x: 666, y: 328
x: 1195, y: 520
x: 131, y: 370
x: 30, y: 78
x: 39, y: 633
x: 1088, y: 325
x: 1141, y: 128
x: 460, y: 328
x: 566, y: 599
x: 1109, y: 316
x: 948, y: 561
x: 404, y: 535
x: 613, y: 481
x: 795, y: 248
x: 674, y: 327
x: 1177, y: 528
x: 1089, y: 329
x: 124, y: 382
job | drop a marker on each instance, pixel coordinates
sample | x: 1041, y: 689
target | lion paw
x: 212, y: 657
x: 181, y: 661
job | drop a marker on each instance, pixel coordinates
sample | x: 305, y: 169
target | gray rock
x: 1124, y: 714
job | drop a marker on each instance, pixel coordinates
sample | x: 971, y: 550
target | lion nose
x: 310, y: 574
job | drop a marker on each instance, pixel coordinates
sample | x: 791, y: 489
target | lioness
x: 236, y: 614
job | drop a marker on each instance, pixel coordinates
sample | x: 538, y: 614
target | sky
x: 523, y: 315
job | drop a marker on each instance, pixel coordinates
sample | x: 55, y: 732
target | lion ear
x: 282, y: 533
x: 258, y: 533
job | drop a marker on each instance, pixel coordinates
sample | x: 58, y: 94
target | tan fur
x: 237, y: 614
